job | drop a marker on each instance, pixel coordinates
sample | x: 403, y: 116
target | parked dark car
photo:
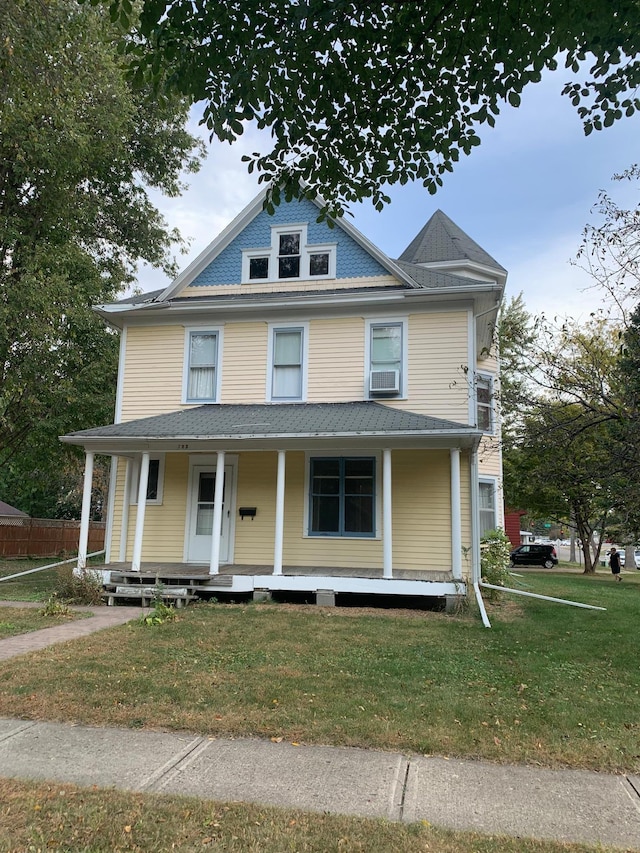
x: 534, y: 555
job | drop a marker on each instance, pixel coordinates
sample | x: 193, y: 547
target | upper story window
x: 288, y: 257
x: 386, y: 359
x: 202, y: 367
x: 484, y: 402
x: 287, y: 357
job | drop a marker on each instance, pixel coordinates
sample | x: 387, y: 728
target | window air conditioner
x: 384, y: 382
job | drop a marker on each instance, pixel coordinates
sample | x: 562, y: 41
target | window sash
x: 286, y: 377
x: 342, y: 496
x: 484, y: 403
x: 203, y: 356
x: 487, y: 507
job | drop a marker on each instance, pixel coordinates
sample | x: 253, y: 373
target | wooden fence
x: 45, y: 537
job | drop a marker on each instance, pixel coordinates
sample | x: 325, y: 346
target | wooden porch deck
x: 184, y: 582
x: 185, y: 571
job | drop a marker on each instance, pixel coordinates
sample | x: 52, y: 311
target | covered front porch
x: 354, y: 498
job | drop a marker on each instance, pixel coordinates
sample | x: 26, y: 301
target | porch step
x: 147, y: 594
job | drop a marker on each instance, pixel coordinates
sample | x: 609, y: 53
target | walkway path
x: 103, y: 617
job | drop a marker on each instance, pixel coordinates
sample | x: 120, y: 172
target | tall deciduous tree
x: 562, y: 456
x: 78, y: 148
x: 358, y: 95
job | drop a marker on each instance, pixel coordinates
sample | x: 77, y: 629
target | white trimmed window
x: 342, y: 496
x: 484, y: 402
x: 386, y: 357
x: 155, y: 480
x: 487, y: 506
x: 287, y: 346
x: 201, y: 380
x: 289, y: 257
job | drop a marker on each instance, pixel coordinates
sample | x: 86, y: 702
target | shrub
x: 161, y: 613
x: 54, y: 607
x: 79, y: 587
x: 495, y: 551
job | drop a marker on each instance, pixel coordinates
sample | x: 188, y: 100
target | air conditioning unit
x: 384, y: 382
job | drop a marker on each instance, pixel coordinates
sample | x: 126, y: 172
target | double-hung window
x: 202, y: 367
x: 289, y: 255
x: 154, y: 481
x: 484, y: 402
x: 287, y: 368
x: 342, y: 496
x: 386, y: 347
x: 487, y: 490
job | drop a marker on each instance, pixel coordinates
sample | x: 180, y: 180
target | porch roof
x: 275, y: 424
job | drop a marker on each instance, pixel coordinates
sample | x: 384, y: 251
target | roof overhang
x: 125, y: 446
x: 358, y: 425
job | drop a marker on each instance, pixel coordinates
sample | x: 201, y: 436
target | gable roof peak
x: 442, y: 241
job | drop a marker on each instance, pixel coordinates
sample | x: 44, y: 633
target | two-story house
x: 327, y: 411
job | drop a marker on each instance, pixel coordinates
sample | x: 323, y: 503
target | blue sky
x: 525, y: 195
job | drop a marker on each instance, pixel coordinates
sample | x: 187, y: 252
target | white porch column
x: 216, y: 530
x: 456, y: 519
x: 279, y: 534
x: 475, y: 515
x: 126, y: 500
x: 142, y: 506
x: 86, y: 510
x: 387, y: 539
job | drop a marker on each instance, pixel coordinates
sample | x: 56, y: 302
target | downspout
x: 475, y: 537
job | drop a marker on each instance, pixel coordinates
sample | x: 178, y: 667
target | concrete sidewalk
x: 563, y: 805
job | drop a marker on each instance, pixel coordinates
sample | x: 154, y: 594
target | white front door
x: 203, y: 486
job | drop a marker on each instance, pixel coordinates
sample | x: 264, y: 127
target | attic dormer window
x: 258, y: 268
x: 290, y: 257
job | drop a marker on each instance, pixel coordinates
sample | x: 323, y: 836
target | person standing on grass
x: 614, y: 562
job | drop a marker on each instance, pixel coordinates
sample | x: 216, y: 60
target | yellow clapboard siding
x: 438, y: 358
x: 421, y: 515
x: 164, y: 525
x: 336, y: 360
x: 244, y: 363
x: 154, y: 361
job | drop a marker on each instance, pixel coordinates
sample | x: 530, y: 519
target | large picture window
x: 342, y: 496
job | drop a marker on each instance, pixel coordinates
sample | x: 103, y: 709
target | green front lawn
x: 20, y: 620
x: 549, y: 685
x: 34, y: 587
x: 36, y: 816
